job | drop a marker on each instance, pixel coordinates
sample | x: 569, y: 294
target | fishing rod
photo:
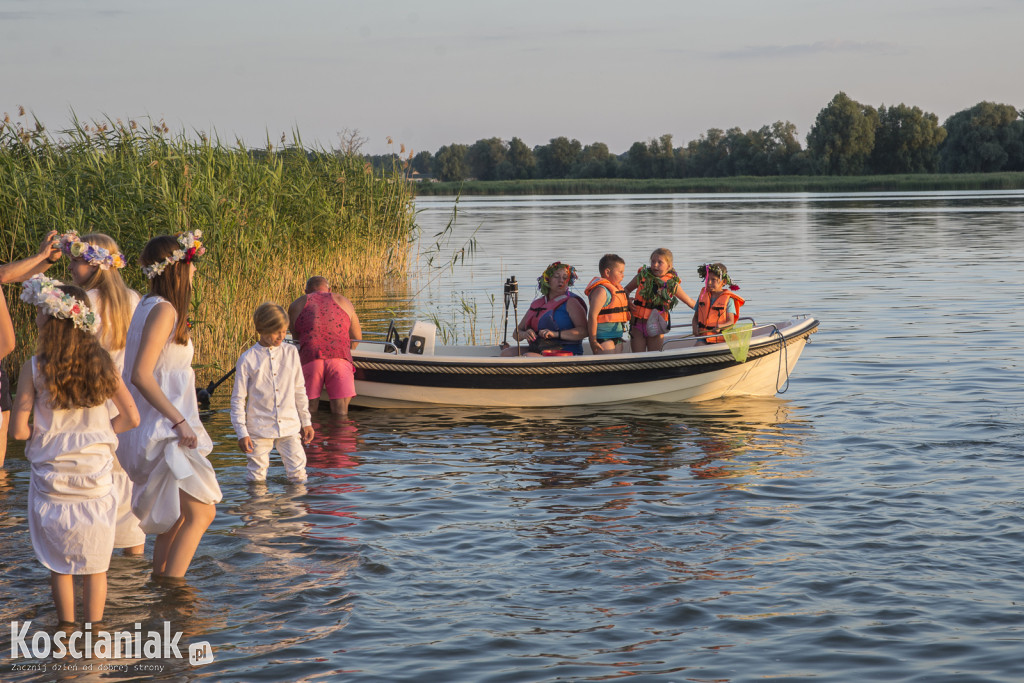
x: 511, y: 296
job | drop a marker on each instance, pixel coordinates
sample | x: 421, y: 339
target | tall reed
x: 270, y: 218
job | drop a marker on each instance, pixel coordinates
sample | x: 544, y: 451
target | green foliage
x: 987, y: 137
x: 906, y: 141
x: 270, y: 218
x: 843, y: 136
x: 450, y: 163
x: 919, y: 182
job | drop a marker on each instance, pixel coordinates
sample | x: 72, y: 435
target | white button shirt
x: 269, y: 399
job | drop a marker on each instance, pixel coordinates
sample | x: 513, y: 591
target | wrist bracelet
x: 177, y: 423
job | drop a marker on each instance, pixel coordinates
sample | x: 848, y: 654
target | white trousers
x: 292, y: 455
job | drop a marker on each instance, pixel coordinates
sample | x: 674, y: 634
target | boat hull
x: 684, y: 371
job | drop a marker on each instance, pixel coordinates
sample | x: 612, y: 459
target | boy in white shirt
x: 269, y: 407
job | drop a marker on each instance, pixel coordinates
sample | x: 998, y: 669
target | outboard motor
x: 421, y: 339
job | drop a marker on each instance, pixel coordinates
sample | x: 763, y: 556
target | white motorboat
x: 411, y: 372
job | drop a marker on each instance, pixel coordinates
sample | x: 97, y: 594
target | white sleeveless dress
x: 127, y: 533
x: 150, y: 453
x: 71, y: 502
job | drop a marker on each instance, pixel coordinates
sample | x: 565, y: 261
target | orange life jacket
x: 641, y: 310
x: 617, y: 310
x: 711, y: 314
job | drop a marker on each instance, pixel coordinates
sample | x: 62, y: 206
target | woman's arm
x: 155, y: 334
x: 578, y: 314
x: 23, y: 402
x: 522, y: 332
x: 127, y: 412
x: 22, y: 270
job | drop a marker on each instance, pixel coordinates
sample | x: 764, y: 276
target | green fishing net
x: 738, y: 338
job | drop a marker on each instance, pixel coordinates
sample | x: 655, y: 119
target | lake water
x: 865, y: 524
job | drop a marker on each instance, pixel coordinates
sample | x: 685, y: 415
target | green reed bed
x: 880, y: 183
x: 270, y: 218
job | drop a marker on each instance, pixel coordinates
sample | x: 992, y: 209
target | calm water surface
x: 866, y: 524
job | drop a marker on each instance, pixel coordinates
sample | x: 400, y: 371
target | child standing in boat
x: 717, y: 306
x: 72, y: 505
x: 269, y: 408
x: 609, y: 306
x: 657, y: 288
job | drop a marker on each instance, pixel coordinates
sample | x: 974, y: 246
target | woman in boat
x: 556, y: 323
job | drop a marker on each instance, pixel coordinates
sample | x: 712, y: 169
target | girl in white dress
x: 65, y: 387
x: 175, y: 487
x: 95, y: 262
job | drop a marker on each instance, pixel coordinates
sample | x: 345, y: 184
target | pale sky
x: 434, y: 72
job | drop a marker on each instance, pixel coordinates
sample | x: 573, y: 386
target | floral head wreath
x: 719, y: 271
x: 93, y: 254
x: 191, y: 249
x: 544, y: 281
x: 45, y: 293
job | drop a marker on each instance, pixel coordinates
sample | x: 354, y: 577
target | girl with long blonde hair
x: 95, y: 264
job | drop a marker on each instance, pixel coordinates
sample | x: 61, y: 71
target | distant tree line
x: 847, y: 138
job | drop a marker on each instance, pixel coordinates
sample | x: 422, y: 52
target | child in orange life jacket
x: 657, y: 289
x: 609, y: 306
x: 717, y: 306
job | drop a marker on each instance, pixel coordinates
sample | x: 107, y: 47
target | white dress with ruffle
x: 71, y: 502
x: 127, y: 533
x: 150, y: 453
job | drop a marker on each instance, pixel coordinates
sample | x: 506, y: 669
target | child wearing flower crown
x: 95, y: 266
x: 657, y: 288
x: 175, y: 487
x: 718, y: 306
x: 65, y: 388
x: 269, y: 408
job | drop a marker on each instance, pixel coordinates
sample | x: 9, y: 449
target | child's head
x: 169, y: 263
x: 612, y: 267
x: 95, y: 258
x: 96, y: 261
x: 271, y: 323
x: 661, y: 261
x: 77, y: 371
x: 715, y: 277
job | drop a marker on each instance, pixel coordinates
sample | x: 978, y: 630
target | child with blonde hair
x: 175, y: 488
x: 269, y: 408
x: 95, y: 266
x: 657, y: 288
x: 72, y: 506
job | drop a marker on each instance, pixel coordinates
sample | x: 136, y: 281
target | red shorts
x: 337, y: 374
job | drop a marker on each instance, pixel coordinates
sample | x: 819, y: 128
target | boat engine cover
x: 421, y: 338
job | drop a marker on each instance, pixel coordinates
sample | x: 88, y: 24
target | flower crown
x: 719, y: 271
x: 543, y: 282
x: 191, y: 249
x: 72, y: 245
x: 45, y: 293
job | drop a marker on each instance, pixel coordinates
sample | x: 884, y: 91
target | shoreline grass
x: 270, y: 218
x: 923, y: 182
